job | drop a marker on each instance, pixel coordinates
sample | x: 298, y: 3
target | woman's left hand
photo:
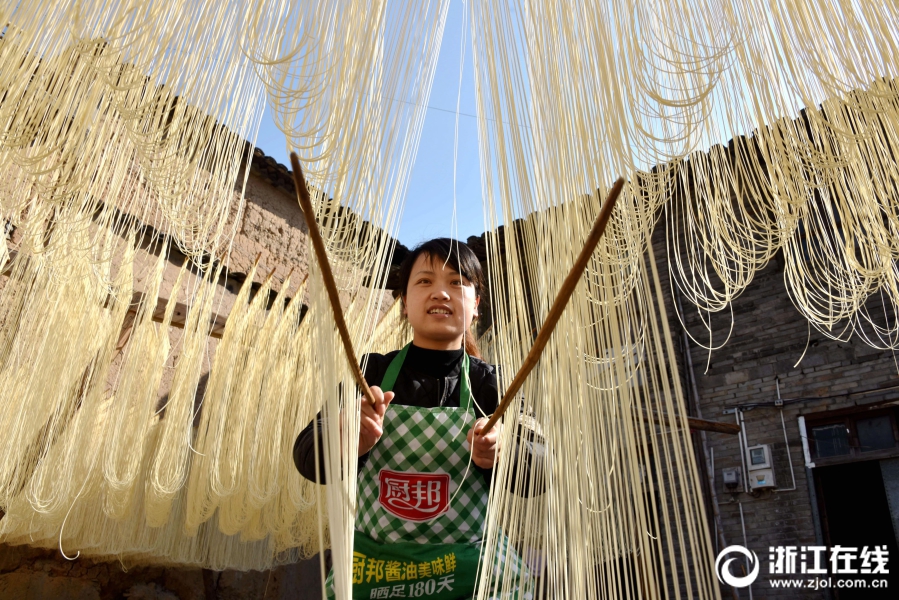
x: 484, y: 448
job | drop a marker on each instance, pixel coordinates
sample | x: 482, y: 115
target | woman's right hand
x: 371, y: 422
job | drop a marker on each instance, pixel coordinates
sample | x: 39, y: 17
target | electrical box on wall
x: 732, y: 479
x: 761, y: 479
x: 759, y: 457
x: 760, y: 467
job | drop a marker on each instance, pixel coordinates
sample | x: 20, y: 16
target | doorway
x: 855, y: 512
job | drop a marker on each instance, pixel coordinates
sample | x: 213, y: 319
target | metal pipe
x: 816, y: 515
x: 803, y: 435
x: 708, y: 452
x: 743, y: 428
x: 789, y: 455
x: 742, y: 439
x: 710, y: 472
x: 786, y: 441
x: 745, y: 545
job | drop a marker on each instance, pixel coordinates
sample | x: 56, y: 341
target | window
x: 841, y: 436
x: 831, y: 440
x: 875, y: 433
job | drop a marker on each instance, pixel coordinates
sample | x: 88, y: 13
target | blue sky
x: 429, y: 200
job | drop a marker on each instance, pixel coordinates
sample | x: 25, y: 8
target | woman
x: 421, y: 508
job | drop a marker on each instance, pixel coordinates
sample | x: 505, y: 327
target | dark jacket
x: 412, y: 388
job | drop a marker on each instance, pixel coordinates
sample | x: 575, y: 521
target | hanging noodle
x: 122, y: 141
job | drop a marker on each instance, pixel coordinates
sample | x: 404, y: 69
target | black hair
x: 460, y: 258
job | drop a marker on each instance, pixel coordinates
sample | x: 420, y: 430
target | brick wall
x: 769, y: 337
x: 271, y: 227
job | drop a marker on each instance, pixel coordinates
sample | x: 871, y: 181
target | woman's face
x: 440, y: 304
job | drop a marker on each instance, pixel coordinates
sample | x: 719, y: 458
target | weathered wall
x: 31, y: 573
x: 271, y: 227
x: 274, y: 229
x: 769, y: 338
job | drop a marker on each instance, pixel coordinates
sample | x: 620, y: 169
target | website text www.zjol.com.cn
x: 820, y: 583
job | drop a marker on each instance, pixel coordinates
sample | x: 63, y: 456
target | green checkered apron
x: 421, y: 505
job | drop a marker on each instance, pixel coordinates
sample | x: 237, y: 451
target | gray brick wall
x: 769, y: 337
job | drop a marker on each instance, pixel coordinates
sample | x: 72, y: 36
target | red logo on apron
x: 414, y: 496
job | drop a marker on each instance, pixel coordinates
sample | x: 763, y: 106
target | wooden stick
x: 555, y: 312
x: 319, y: 245
x: 695, y: 424
x: 713, y: 426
